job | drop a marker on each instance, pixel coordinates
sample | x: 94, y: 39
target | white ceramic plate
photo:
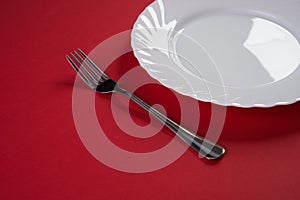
x: 243, y: 53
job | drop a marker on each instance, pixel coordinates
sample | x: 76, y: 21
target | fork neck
x: 107, y: 86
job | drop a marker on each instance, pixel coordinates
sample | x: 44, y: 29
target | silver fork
x: 97, y: 80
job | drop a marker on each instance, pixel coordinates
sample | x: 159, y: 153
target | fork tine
x: 91, y: 78
x: 102, y: 74
x: 82, y: 76
x: 95, y: 75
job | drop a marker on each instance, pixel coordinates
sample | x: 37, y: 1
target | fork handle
x: 205, y: 148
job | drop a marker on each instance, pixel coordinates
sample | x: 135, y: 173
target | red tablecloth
x: 42, y: 156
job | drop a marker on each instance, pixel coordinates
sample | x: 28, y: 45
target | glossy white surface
x: 229, y: 52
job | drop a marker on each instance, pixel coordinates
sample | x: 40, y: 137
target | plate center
x: 245, y: 51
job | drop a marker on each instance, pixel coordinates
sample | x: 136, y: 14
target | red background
x: 42, y: 156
